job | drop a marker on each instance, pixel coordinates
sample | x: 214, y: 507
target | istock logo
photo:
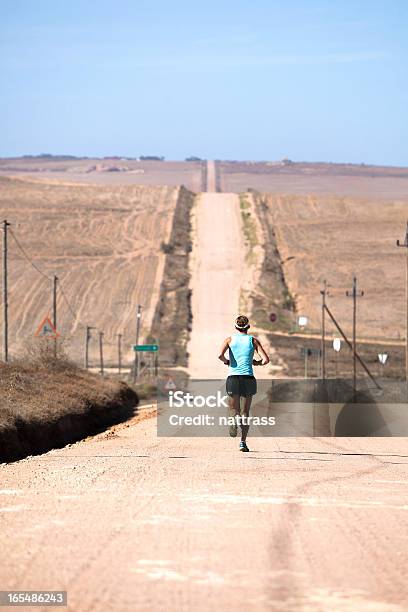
x: 178, y: 399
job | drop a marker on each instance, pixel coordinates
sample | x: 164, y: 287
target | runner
x: 241, y: 381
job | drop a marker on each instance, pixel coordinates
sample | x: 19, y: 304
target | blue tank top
x: 241, y: 353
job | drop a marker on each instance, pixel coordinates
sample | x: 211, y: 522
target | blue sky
x: 310, y: 80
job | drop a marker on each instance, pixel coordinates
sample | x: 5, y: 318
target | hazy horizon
x: 223, y: 80
x: 46, y: 155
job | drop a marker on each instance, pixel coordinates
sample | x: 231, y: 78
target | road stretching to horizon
x: 128, y: 521
x: 217, y: 264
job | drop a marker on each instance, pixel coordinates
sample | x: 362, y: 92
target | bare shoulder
x: 256, y: 342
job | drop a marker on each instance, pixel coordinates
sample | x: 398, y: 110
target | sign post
x: 136, y: 366
x: 309, y: 352
x: 152, y: 349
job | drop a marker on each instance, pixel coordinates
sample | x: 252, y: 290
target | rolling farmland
x: 334, y: 238
x: 108, y: 171
x: 285, y: 177
x: 103, y: 243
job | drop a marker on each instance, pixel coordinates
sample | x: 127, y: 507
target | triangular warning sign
x: 169, y: 386
x: 46, y: 329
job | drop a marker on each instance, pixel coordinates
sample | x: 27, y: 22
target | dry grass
x: 47, y: 402
x: 173, y: 319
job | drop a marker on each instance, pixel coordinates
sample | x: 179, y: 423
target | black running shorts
x: 242, y: 385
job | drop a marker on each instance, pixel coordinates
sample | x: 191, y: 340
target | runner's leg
x: 245, y: 414
x: 234, y: 411
x: 234, y: 404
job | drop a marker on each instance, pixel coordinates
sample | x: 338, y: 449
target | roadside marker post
x: 354, y: 294
x: 119, y: 353
x: 101, y: 334
x: 323, y: 293
x: 309, y: 352
x: 337, y: 349
x: 382, y: 358
x: 87, y: 339
x: 54, y: 310
x: 5, y: 292
x: 136, y: 363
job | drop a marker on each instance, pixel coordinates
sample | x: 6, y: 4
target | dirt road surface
x: 127, y: 521
x: 132, y: 522
x: 217, y: 264
x: 211, y: 180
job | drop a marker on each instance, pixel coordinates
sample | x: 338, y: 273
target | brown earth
x: 109, y: 171
x: 374, y: 182
x: 269, y: 177
x: 333, y: 238
x: 103, y: 242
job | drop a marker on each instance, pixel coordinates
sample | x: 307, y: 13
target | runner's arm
x: 260, y: 350
x: 224, y: 347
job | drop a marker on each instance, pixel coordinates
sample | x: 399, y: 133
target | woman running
x: 241, y: 381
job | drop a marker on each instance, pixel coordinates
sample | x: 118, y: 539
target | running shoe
x: 243, y: 447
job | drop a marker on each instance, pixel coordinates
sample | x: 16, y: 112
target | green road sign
x: 145, y: 348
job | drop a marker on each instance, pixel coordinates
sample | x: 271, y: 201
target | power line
x: 74, y: 314
x: 27, y: 257
x: 31, y: 262
x: 50, y: 279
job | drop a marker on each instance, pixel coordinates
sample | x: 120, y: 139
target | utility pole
x: 136, y: 364
x: 354, y: 294
x: 323, y: 346
x: 405, y: 245
x: 119, y: 353
x: 54, y: 310
x: 87, y: 339
x: 5, y: 293
x: 101, y: 350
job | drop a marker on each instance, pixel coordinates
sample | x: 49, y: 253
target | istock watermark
x: 203, y: 408
x: 179, y: 399
x: 285, y: 407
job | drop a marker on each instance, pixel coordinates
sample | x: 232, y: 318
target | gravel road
x: 127, y: 521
